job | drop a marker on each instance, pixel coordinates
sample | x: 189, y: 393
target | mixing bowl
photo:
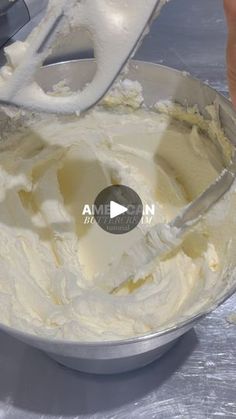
x: 159, y: 83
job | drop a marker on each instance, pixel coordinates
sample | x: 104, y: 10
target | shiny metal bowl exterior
x: 159, y: 83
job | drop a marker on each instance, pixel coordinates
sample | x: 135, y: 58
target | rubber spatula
x: 162, y: 239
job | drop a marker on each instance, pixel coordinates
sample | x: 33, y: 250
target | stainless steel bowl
x: 114, y: 357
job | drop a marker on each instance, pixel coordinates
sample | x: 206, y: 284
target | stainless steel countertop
x: 197, y: 378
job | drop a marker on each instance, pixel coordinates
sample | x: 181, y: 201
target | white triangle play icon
x: 116, y: 209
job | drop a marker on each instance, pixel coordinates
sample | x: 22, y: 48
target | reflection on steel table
x: 197, y: 378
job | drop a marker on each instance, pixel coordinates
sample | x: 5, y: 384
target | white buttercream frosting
x: 116, y: 27
x: 50, y: 261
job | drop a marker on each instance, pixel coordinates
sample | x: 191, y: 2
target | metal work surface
x: 197, y: 378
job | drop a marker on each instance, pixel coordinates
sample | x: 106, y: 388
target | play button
x: 118, y: 209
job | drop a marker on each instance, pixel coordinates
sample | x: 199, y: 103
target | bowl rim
x: 147, y: 336
x: 115, y: 342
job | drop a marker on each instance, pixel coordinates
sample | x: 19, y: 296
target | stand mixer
x: 116, y: 27
x: 16, y: 15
